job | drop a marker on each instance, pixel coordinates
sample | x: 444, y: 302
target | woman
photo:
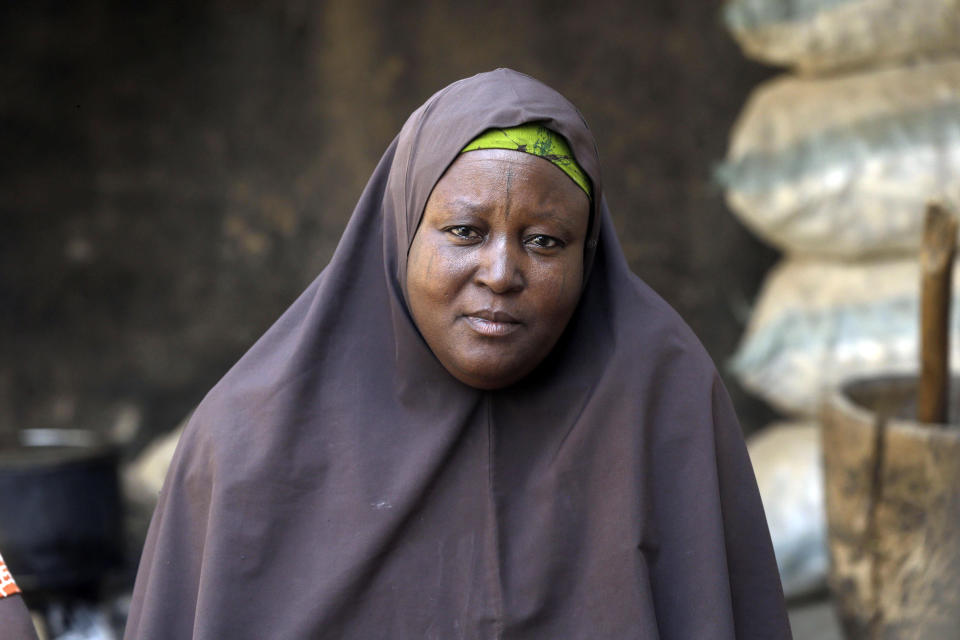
x: 475, y: 423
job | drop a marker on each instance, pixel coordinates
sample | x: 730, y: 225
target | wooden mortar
x: 892, y: 478
x: 893, y: 513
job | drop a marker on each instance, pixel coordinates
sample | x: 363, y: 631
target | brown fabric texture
x: 15, y: 622
x: 339, y: 483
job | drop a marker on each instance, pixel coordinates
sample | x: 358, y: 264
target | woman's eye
x: 544, y: 242
x: 463, y: 232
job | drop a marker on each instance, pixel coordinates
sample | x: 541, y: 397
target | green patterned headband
x: 537, y: 140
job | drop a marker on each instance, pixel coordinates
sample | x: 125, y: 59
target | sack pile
x: 834, y: 163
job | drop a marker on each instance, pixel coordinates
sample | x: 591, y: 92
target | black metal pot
x: 60, y: 509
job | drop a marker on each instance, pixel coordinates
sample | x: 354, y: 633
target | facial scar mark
x: 430, y: 264
x: 506, y: 211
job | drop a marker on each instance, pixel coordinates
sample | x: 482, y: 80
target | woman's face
x: 496, y: 265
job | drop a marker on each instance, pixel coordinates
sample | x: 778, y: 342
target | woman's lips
x: 492, y: 324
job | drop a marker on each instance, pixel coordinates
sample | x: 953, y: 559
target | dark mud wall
x: 172, y: 176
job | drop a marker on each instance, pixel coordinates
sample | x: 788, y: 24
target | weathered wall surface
x: 172, y: 177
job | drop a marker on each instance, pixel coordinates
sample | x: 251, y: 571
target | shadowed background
x: 174, y: 175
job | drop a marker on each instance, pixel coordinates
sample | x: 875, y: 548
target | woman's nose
x: 500, y: 267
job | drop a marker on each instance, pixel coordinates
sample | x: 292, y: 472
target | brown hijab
x: 15, y: 622
x: 339, y: 483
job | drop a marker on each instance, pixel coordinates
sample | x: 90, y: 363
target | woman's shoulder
x: 653, y: 331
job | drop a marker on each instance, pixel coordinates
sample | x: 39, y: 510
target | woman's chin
x: 488, y: 377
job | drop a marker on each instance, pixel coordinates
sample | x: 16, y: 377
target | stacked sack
x: 834, y: 164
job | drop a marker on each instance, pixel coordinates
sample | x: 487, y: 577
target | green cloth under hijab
x: 536, y: 140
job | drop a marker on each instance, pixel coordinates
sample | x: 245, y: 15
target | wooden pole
x: 936, y: 264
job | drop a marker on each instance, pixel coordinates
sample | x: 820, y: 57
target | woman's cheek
x: 566, y: 279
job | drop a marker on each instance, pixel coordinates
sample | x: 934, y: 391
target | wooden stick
x: 936, y: 264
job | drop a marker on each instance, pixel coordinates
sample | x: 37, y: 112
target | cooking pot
x: 60, y: 509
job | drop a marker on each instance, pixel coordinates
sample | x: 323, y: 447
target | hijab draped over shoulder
x: 339, y: 483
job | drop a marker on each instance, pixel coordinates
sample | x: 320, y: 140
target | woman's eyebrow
x: 547, y: 214
x: 565, y: 222
x: 461, y: 204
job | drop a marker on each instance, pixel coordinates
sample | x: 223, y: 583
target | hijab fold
x: 339, y: 483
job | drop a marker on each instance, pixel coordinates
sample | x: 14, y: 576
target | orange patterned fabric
x: 7, y: 586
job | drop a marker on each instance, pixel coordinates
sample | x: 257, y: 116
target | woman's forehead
x: 484, y: 181
x: 504, y: 168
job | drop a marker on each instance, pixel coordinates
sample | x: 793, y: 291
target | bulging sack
x: 817, y: 323
x: 786, y: 461
x: 814, y: 36
x: 844, y: 167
